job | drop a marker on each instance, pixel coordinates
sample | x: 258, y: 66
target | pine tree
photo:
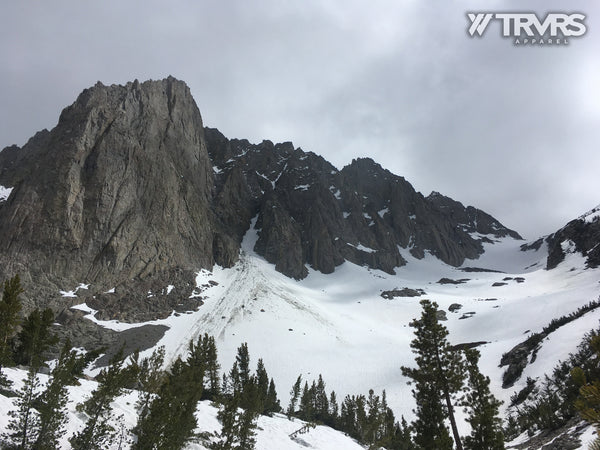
x: 333, y: 410
x: 244, y: 386
x: 247, y: 429
x: 482, y: 407
x: 321, y: 401
x: 430, y: 431
x: 250, y: 398
x: 10, y: 307
x: 402, y: 437
x: 294, y: 397
x: 388, y: 419
x: 232, y: 383
x: 237, y: 426
x: 170, y: 422
x: 35, y: 338
x: 371, y: 434
x: 262, y: 385
x: 150, y: 379
x: 243, y: 398
x: 98, y: 433
x: 243, y: 365
x: 272, y: 404
x: 227, y: 415
x: 226, y: 387
x: 347, y: 419
x: 211, y: 391
x: 24, y: 423
x: 52, y: 403
x: 361, y: 418
x: 437, y: 378
x: 307, y: 402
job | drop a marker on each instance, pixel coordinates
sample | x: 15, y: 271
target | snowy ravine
x: 339, y: 325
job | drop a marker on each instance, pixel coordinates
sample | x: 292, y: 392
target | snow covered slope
x: 340, y: 326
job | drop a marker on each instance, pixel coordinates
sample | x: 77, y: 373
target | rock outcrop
x: 312, y: 215
x: 581, y: 235
x: 120, y: 189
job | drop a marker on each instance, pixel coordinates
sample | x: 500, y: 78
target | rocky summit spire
x: 119, y: 189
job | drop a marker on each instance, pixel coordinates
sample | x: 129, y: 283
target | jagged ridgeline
x: 130, y: 191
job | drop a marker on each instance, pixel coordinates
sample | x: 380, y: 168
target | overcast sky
x: 511, y: 130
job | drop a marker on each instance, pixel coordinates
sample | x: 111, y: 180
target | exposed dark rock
x: 535, y: 245
x: 147, y: 299
x: 518, y: 356
x: 282, y: 244
x: 139, y: 338
x: 226, y: 250
x: 499, y: 283
x: 89, y: 335
x: 454, y: 307
x: 471, y: 219
x: 583, y: 233
x: 566, y: 437
x: 361, y: 214
x: 478, y: 269
x: 523, y: 394
x: 467, y: 345
x: 451, y: 281
x: 404, y: 292
x: 467, y: 315
x: 516, y: 360
x: 563, y: 442
x: 234, y: 207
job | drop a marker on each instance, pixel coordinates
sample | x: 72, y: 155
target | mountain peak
x: 119, y: 189
x: 130, y: 185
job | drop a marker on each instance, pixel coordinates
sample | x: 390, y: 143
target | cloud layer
x: 512, y: 130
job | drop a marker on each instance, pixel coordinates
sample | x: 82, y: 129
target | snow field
x: 338, y: 325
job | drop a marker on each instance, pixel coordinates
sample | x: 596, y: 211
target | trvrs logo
x: 528, y: 29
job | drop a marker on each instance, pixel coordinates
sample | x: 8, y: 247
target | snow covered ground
x: 273, y: 433
x: 338, y: 325
x: 5, y: 193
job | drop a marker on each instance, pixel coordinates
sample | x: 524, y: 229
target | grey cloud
x: 510, y: 130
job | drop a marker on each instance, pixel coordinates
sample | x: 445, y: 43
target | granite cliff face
x: 130, y: 191
x: 120, y: 189
x: 309, y: 214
